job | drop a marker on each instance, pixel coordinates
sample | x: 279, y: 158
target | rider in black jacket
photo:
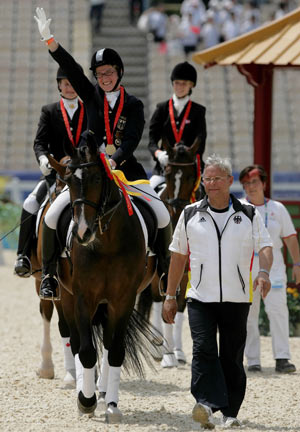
x: 117, y: 120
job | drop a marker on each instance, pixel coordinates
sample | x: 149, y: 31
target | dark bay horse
x: 46, y: 368
x: 109, y: 267
x: 182, y: 181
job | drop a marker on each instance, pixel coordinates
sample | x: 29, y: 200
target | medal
x: 177, y: 134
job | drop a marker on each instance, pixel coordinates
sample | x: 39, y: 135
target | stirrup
x: 46, y: 293
x: 27, y: 273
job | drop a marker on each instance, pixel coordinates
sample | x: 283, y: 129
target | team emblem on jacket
x: 237, y: 219
x: 121, y: 123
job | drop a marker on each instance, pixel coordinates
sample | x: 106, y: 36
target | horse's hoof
x: 86, y: 405
x: 45, y: 373
x: 70, y: 380
x: 101, y: 404
x: 113, y: 414
x: 180, y: 356
x: 169, y: 361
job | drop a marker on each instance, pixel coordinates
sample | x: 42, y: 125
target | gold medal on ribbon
x: 110, y: 149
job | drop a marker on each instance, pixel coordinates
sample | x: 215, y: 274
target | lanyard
x: 266, y: 211
x: 67, y: 124
x: 177, y: 134
x: 109, y: 133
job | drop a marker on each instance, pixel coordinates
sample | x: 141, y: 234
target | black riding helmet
x: 61, y: 74
x: 184, y: 71
x: 107, y: 56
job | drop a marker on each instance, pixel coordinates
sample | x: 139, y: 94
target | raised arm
x: 81, y: 84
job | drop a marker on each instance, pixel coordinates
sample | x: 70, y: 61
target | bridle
x: 101, y: 211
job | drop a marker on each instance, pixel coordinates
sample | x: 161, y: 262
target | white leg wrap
x: 177, y: 331
x: 113, y: 384
x: 168, y: 335
x: 104, y: 371
x: 68, y: 356
x: 88, y: 387
x: 79, y: 373
x: 156, y: 318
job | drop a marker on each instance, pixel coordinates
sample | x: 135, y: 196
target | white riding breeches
x: 277, y: 311
x: 57, y: 207
x: 156, y: 180
x: 147, y: 194
x: 160, y: 210
x: 31, y: 204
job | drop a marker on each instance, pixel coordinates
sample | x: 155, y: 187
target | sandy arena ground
x: 160, y: 403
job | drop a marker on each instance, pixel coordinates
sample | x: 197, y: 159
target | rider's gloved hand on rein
x: 43, y: 24
x: 162, y: 157
x: 45, y: 166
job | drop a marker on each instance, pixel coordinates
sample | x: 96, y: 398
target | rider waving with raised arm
x: 117, y: 120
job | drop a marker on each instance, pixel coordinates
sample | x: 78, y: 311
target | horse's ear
x: 196, y: 144
x: 91, y: 142
x: 60, y: 168
x: 166, y: 145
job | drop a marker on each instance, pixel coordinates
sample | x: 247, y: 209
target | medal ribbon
x: 67, y: 124
x: 109, y: 133
x: 177, y: 134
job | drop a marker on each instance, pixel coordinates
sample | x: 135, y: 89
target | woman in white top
x: 281, y: 229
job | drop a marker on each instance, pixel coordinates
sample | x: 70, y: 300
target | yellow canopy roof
x: 276, y: 43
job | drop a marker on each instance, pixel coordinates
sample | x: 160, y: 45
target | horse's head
x: 87, y: 178
x: 181, y: 176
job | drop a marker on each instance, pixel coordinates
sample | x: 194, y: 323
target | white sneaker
x: 231, y: 422
x: 202, y: 414
x: 169, y: 361
x: 180, y: 356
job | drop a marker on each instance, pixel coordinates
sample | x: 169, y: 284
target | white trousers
x: 278, y: 314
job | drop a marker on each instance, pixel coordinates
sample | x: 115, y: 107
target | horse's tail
x: 139, y: 343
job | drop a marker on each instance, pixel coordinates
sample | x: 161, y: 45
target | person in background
x: 220, y: 289
x: 177, y: 119
x: 282, y: 231
x: 116, y: 120
x: 59, y: 122
x: 96, y: 11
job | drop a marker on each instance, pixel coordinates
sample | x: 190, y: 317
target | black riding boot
x: 49, y: 289
x: 161, y: 249
x: 23, y: 265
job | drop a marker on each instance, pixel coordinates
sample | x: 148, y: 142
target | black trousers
x: 218, y: 375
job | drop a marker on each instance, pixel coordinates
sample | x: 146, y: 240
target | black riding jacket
x: 160, y: 124
x: 129, y: 128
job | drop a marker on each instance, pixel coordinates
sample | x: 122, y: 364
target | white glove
x: 43, y: 24
x: 163, y: 158
x: 45, y: 166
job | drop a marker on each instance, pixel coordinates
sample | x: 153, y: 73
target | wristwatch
x: 170, y: 297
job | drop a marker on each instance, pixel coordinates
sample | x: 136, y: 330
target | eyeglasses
x: 212, y: 179
x: 252, y: 182
x: 108, y: 73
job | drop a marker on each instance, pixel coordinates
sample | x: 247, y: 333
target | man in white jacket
x: 218, y: 235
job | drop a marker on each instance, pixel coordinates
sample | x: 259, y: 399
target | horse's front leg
x: 87, y: 357
x: 113, y: 339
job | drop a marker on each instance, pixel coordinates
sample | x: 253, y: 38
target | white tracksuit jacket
x: 220, y: 263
